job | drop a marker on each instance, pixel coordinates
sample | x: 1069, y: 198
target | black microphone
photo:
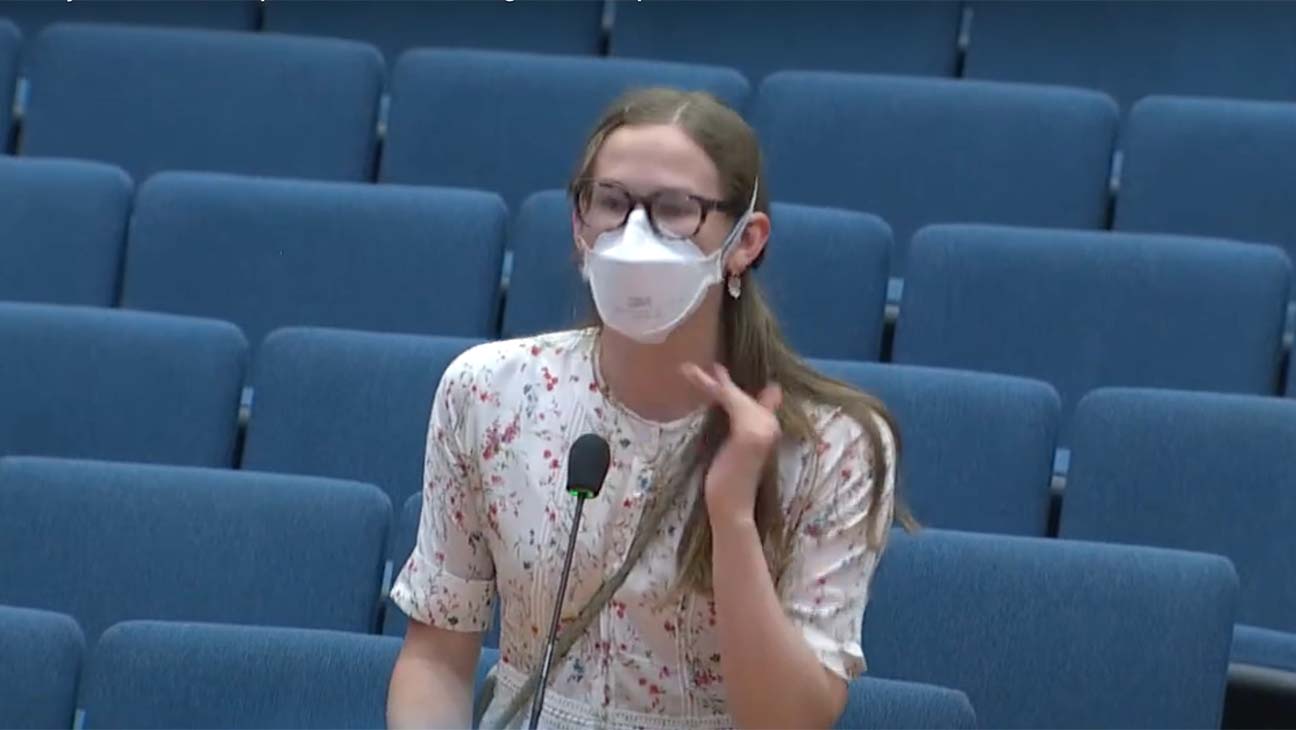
x: 587, y: 467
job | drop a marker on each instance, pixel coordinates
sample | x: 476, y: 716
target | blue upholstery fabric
x: 349, y: 405
x: 125, y: 386
x: 10, y: 42
x: 109, y: 542
x: 1132, y: 49
x: 513, y: 122
x: 571, y: 26
x: 1081, y: 310
x: 767, y: 36
x: 150, y: 674
x: 271, y: 253
x: 1211, y: 167
x: 976, y: 449
x: 886, y: 703
x: 406, y: 535
x: 825, y: 272
x: 151, y: 99
x: 917, y: 151
x: 64, y: 225
x: 1264, y: 647
x: 1193, y: 471
x: 40, y: 658
x: 1052, y: 633
x: 33, y: 15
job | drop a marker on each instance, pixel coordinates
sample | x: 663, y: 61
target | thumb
x: 771, y: 397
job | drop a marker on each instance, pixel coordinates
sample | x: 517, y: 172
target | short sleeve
x: 449, y: 579
x: 838, y: 540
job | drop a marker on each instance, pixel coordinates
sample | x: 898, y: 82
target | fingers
x: 771, y: 397
x: 721, y: 389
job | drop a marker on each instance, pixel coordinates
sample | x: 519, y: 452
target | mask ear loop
x: 735, y: 235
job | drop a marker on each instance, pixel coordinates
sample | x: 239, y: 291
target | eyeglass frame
x: 646, y: 201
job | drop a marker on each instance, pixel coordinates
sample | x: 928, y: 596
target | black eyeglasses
x: 603, y: 206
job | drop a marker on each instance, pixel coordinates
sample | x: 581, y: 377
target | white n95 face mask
x: 646, y: 285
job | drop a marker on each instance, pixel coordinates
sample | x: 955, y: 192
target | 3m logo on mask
x: 634, y: 302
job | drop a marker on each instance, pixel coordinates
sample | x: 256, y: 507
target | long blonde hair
x: 754, y: 351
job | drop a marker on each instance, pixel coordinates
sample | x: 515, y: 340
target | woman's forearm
x: 771, y: 677
x: 432, y: 682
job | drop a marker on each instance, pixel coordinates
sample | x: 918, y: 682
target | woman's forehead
x: 653, y: 157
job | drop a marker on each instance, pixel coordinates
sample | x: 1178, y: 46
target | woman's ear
x: 750, y: 245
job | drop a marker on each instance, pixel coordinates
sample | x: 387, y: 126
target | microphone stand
x: 547, y: 662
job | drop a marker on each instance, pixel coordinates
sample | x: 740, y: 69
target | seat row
x: 983, y: 614
x: 1128, y: 49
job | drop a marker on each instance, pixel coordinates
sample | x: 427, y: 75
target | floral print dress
x: 496, y: 519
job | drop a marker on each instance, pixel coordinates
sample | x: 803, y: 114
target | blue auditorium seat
x: 514, y: 123
x: 887, y: 703
x: 977, y: 449
x: 108, y: 542
x: 151, y: 99
x: 348, y: 405
x: 10, y: 42
x: 1195, y: 471
x: 1211, y: 167
x: 126, y: 386
x: 271, y: 253
x: 772, y: 35
x: 572, y: 26
x: 1083, y: 310
x: 1133, y: 49
x: 404, y: 539
x: 40, y: 658
x: 34, y: 15
x: 64, y: 230
x: 918, y: 151
x: 825, y: 273
x: 1053, y: 633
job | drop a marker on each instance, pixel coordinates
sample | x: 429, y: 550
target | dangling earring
x: 735, y: 286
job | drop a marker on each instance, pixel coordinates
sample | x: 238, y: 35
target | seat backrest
x: 976, y: 449
x: 348, y: 405
x: 216, y: 14
x: 126, y: 386
x: 265, y: 254
x: 876, y: 37
x: 513, y: 123
x: 153, y: 674
x: 1081, y: 310
x: 40, y: 659
x: 1211, y: 168
x: 64, y: 224
x: 1193, y: 471
x: 152, y: 99
x: 108, y: 542
x: 825, y: 274
x: 918, y: 151
x: 10, y: 43
x: 1133, y: 49
x: 569, y: 27
x: 1042, y: 632
x: 874, y: 703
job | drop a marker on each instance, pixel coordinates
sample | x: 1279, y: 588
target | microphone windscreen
x: 587, y: 465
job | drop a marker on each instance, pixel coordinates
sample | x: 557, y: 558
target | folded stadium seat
x: 125, y: 386
x: 876, y: 37
x: 34, y: 15
x: 10, y: 42
x: 514, y: 123
x: 1198, y: 471
x: 155, y: 674
x: 404, y: 538
x: 825, y: 274
x: 64, y: 229
x: 1083, y: 310
x: 919, y: 151
x: 1052, y: 633
x: 1133, y: 49
x: 40, y: 658
x: 976, y: 449
x: 271, y: 253
x: 107, y: 542
x: 151, y: 99
x: 1211, y: 167
x: 571, y: 27
x: 349, y: 405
